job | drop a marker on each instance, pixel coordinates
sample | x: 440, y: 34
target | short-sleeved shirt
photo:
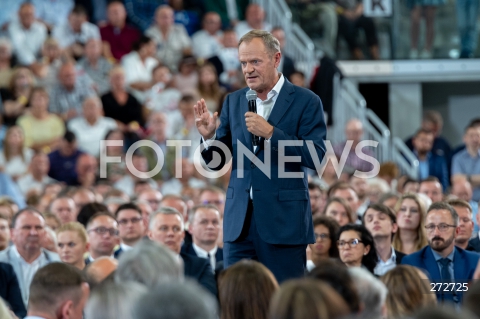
x: 65, y: 35
x: 464, y: 163
x: 40, y: 131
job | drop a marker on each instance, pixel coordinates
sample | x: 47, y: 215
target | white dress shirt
x: 206, y: 45
x: 125, y: 247
x: 202, y: 253
x: 27, y: 43
x: 384, y: 266
x: 28, y: 269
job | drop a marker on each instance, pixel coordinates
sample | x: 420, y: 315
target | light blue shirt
x: 463, y: 163
x: 451, y: 256
x: 423, y: 168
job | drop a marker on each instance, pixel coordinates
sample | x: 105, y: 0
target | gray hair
x: 164, y: 211
x: 114, y: 300
x: 271, y: 43
x: 177, y: 300
x: 373, y: 292
x: 149, y: 263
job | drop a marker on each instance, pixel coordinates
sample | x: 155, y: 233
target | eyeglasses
x: 134, y: 220
x: 321, y: 236
x: 103, y: 230
x: 350, y: 243
x: 441, y: 227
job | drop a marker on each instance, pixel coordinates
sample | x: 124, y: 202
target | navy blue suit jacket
x: 282, y: 209
x: 437, y: 166
x: 200, y: 270
x: 464, y: 265
x: 187, y: 248
x: 474, y: 243
x: 10, y: 290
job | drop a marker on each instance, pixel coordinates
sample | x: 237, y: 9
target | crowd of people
x: 83, y: 236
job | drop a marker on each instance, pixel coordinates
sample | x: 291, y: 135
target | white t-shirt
x: 89, y: 136
x: 136, y: 71
x: 16, y: 166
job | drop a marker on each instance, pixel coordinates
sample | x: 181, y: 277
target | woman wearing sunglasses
x: 356, y: 247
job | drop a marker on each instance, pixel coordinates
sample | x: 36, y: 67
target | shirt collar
x: 438, y: 257
x: 393, y: 257
x: 276, y: 89
x: 125, y: 247
x: 17, y: 255
x: 202, y: 252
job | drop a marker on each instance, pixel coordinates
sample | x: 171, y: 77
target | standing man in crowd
x: 259, y: 221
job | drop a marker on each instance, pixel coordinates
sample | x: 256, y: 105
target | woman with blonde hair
x: 245, y: 290
x: 411, y: 235
x: 408, y: 291
x: 15, y: 157
x: 72, y: 241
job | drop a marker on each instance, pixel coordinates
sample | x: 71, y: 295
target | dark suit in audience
x: 200, y: 270
x: 10, y: 290
x: 187, y: 248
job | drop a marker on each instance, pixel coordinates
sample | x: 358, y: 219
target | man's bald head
x: 354, y: 130
x: 462, y: 189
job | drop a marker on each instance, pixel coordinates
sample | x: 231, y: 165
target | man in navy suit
x: 430, y: 163
x: 205, y: 227
x: 167, y: 227
x: 267, y: 215
x: 442, y: 261
x: 10, y: 290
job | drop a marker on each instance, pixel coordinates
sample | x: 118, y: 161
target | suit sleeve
x: 207, y: 278
x: 312, y: 128
x: 14, y: 296
x: 223, y: 134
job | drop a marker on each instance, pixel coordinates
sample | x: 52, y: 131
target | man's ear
x: 66, y: 309
x: 394, y: 228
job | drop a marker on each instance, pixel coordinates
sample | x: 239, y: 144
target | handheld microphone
x: 252, y: 107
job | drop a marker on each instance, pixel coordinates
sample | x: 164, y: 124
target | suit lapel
x: 283, y: 102
x: 431, y: 264
x: 459, y: 266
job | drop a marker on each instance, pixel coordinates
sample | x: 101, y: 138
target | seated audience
x: 114, y: 300
x: 374, y: 293
x: 245, y: 290
x: 64, y: 160
x: 305, y: 299
x: 287, y: 65
x: 206, y: 42
x: 163, y: 96
x: 441, y: 223
x: 389, y: 200
x: 10, y: 291
x: 381, y: 222
x: 408, y: 291
x: 56, y: 289
x: 462, y: 189
x: 100, y: 270
x: 465, y: 224
x: 4, y: 231
x: 52, y: 13
x: 186, y: 80
x: 204, y: 226
x: 6, y: 69
x: 96, y: 66
x: 27, y: 35
x: 47, y: 66
x: 228, y: 55
x: 18, y: 96
x: 138, y: 66
x: 135, y: 174
x: 325, y: 247
x: 254, y: 20
x: 122, y: 106
x: 171, y: 39
x: 38, y: 178
x: 118, y: 37
x: 15, y: 157
x: 63, y: 207
x: 102, y: 231
x: 176, y: 300
x: 209, y: 88
x: 356, y: 247
x: 72, y: 88
x: 91, y: 127
x: 167, y: 227
x: 431, y: 187
x: 72, y: 244
x: 28, y: 225
x: 131, y: 228
x: 149, y: 263
x: 410, y: 236
x: 348, y: 193
x: 73, y: 35
x: 339, y: 210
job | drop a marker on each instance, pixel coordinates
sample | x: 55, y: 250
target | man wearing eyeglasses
x: 382, y: 224
x: 167, y: 227
x: 130, y: 226
x: 102, y: 231
x: 442, y: 261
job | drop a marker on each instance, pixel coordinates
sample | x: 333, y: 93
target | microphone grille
x: 251, y: 95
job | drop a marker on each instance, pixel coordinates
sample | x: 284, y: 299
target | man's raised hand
x: 206, y: 123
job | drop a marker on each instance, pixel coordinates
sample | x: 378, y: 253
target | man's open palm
x: 206, y: 123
